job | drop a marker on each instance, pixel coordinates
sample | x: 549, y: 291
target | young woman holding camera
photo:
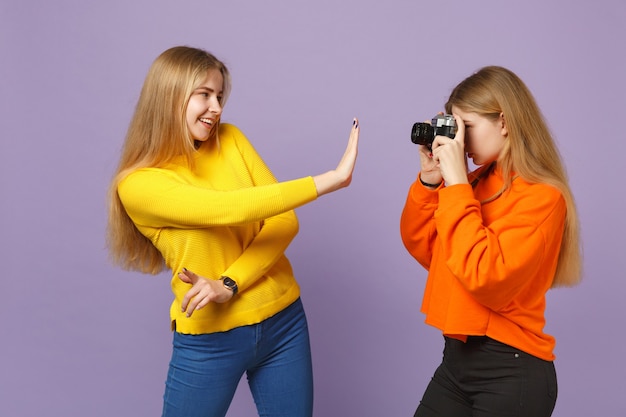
x: 494, y: 241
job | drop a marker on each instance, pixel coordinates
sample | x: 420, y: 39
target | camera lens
x: 422, y: 134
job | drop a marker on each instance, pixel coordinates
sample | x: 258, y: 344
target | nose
x: 215, y: 107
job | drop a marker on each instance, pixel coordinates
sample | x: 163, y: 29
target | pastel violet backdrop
x: 82, y: 337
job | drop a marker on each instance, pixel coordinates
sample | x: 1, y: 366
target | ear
x: 502, y: 121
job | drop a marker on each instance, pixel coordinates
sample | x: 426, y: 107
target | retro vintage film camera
x: 441, y: 125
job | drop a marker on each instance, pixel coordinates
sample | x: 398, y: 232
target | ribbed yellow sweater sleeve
x: 160, y: 198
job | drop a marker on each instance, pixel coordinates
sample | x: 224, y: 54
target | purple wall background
x: 81, y: 337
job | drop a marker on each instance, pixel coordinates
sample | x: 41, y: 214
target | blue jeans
x: 486, y: 378
x: 275, y: 354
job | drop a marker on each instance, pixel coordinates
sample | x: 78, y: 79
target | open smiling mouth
x: 208, y: 122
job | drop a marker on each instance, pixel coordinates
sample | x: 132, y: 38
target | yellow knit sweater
x: 228, y: 216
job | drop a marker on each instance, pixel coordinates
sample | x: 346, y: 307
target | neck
x: 483, y: 173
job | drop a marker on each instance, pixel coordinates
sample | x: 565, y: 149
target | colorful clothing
x: 226, y: 216
x: 489, y: 265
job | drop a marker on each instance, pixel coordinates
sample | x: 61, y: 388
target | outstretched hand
x: 341, y: 176
x: 202, y: 292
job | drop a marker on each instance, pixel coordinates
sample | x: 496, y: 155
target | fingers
x: 184, y: 306
x: 426, y: 156
x: 195, y: 301
x: 341, y: 176
x: 202, y: 292
x: 192, y: 300
x: 440, y: 141
x: 197, y: 297
x: 348, y: 160
x: 448, y: 149
x: 184, y: 278
x: 449, y: 157
x: 460, y: 127
x: 187, y: 276
x: 353, y: 141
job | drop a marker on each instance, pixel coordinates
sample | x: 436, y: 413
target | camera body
x: 441, y: 125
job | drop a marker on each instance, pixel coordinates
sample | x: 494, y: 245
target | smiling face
x: 205, y: 106
x: 484, y: 137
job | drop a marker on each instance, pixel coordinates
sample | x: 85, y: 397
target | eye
x: 220, y: 99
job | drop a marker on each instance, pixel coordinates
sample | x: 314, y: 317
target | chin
x: 476, y: 161
x: 201, y: 138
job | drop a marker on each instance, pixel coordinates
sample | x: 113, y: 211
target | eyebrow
x: 203, y: 88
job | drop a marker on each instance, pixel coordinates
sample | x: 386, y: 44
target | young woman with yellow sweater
x: 494, y: 241
x: 192, y: 195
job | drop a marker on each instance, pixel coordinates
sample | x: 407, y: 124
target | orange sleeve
x: 417, y: 223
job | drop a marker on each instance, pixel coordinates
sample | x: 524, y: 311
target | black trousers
x: 486, y: 378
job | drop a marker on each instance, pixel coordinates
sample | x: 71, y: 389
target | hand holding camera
x: 440, y: 125
x: 438, y: 161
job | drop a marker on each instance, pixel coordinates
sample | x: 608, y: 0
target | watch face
x: 230, y: 284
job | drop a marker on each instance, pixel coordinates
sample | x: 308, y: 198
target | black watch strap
x: 427, y: 184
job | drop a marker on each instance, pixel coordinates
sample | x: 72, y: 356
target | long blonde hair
x: 157, y: 133
x: 529, y: 152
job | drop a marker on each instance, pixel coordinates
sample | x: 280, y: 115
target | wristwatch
x: 230, y: 284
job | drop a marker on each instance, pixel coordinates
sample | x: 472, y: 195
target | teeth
x: 209, y: 121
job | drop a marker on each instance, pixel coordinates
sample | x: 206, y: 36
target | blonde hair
x: 157, y: 133
x: 529, y: 152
